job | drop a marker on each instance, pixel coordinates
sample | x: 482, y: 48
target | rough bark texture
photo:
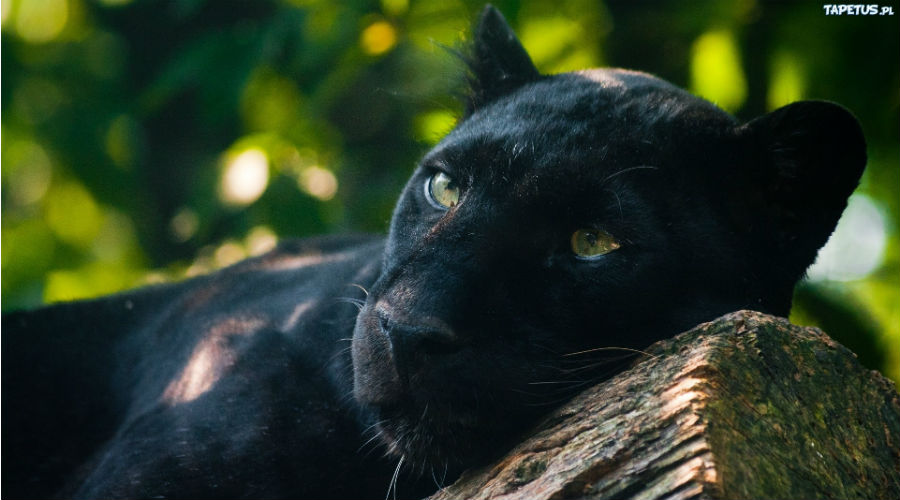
x: 747, y: 406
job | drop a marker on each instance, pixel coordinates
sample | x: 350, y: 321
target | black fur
x: 246, y: 383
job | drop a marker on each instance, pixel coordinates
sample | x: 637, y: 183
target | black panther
x: 600, y: 208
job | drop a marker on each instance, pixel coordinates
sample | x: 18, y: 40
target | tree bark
x: 747, y: 406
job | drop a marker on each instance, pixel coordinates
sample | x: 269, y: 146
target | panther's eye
x: 592, y: 243
x: 442, y: 191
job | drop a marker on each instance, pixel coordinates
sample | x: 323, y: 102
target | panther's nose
x: 393, y: 354
x: 417, y: 342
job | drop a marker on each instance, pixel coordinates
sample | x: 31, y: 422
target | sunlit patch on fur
x: 610, y: 79
x: 289, y: 262
x: 201, y: 297
x: 211, y: 358
x: 294, y: 318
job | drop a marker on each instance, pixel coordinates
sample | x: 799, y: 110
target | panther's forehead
x: 623, y: 79
x: 547, y: 124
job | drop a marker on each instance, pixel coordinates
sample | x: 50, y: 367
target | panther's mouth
x: 420, y: 412
x: 430, y: 396
x: 402, y: 438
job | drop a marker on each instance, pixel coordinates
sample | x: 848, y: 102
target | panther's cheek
x: 375, y: 377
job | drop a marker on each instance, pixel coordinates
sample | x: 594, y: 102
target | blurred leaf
x: 270, y: 101
x: 89, y: 281
x: 553, y: 44
x: 716, y: 72
x: 788, y: 81
x: 72, y: 214
x: 432, y: 126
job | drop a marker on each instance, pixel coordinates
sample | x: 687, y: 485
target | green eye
x: 592, y: 243
x: 442, y: 191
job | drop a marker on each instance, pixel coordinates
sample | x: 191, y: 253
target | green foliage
x: 147, y: 140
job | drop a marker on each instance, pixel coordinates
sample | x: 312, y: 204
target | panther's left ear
x: 499, y: 63
x: 806, y: 159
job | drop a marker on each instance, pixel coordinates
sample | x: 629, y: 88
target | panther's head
x: 570, y: 217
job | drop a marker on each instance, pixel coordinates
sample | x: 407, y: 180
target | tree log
x: 747, y: 406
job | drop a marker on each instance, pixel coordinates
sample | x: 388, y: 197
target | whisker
x: 435, y: 479
x: 424, y: 412
x: 372, y: 426
x: 618, y: 200
x: 375, y: 435
x: 526, y: 393
x: 440, y: 483
x: 555, y: 382
x: 359, y: 303
x: 361, y: 288
x: 629, y: 169
x: 598, y: 349
x: 340, y: 352
x: 392, y: 486
x: 577, y: 364
x: 586, y: 367
x: 368, y: 441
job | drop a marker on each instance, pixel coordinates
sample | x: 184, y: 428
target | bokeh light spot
x: 394, y: 7
x: 429, y: 25
x: 245, y: 177
x: 270, y: 101
x: 432, y: 126
x: 260, y: 240
x: 28, y: 170
x: 41, y: 21
x: 122, y: 139
x: 72, y: 214
x: 856, y: 248
x: 28, y: 250
x: 788, y: 82
x: 184, y: 224
x: 202, y: 264
x: 229, y: 253
x: 378, y: 38
x: 36, y: 100
x: 716, y: 72
x: 116, y: 241
x: 5, y: 9
x: 91, y: 280
x: 115, y: 3
x: 555, y: 44
x: 318, y: 182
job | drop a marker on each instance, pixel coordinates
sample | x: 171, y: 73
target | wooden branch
x: 747, y: 406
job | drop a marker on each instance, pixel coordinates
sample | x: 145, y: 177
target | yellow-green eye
x: 592, y: 243
x: 442, y: 191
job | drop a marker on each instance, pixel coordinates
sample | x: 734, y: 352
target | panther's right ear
x: 499, y: 63
x: 805, y: 159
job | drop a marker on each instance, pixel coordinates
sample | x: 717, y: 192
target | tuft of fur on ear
x: 498, y: 63
x: 809, y: 157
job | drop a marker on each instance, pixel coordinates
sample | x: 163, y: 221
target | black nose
x: 420, y: 343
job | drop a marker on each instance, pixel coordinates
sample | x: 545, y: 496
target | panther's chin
x: 424, y: 443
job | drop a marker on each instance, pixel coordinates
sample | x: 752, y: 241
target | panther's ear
x: 498, y: 63
x: 807, y: 159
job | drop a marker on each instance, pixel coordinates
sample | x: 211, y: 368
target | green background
x: 144, y: 141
